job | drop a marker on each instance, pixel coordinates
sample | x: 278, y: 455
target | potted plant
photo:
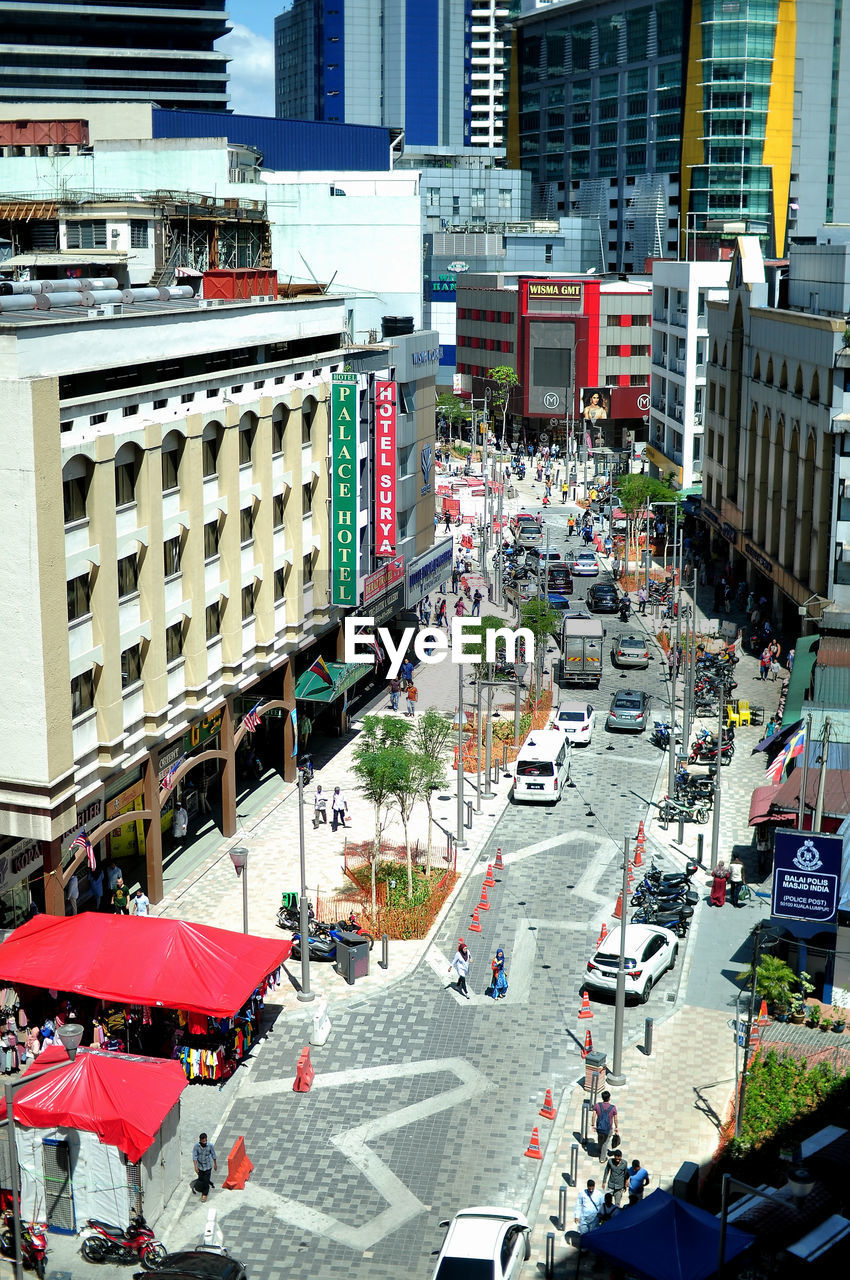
x: 814, y: 1015
x: 839, y: 1019
x: 774, y: 982
x: 825, y: 1023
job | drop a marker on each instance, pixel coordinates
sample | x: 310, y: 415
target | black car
x: 603, y: 597
x: 560, y: 579
x: 204, y: 1263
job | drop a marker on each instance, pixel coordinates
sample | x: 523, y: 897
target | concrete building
x: 579, y: 346
x: 683, y: 126
x: 436, y: 71
x: 776, y: 479
x: 165, y: 53
x: 165, y: 489
x: 680, y: 291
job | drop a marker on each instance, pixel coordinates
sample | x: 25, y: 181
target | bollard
x: 385, y: 951
x: 585, y: 1119
x: 468, y: 815
x: 574, y: 1165
x: 549, y: 1266
x: 505, y: 758
x: 700, y: 841
x: 648, y: 1026
x: 562, y: 1208
x: 497, y: 768
x: 594, y: 1089
x: 449, y: 845
x: 681, y: 835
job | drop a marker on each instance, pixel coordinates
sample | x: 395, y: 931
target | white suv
x: 484, y: 1243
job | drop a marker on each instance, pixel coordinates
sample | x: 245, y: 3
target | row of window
x: 491, y: 317
x: 485, y: 344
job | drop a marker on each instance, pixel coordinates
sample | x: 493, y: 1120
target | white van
x: 542, y: 767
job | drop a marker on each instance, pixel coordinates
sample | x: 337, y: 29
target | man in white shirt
x: 339, y: 808
x: 141, y: 904
x: 588, y: 1204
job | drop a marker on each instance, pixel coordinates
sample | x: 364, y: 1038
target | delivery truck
x: 581, y: 651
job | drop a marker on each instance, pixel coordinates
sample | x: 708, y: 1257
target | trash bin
x: 686, y: 1182
x: 352, y: 957
x: 595, y: 1069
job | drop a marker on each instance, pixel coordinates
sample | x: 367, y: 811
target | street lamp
x: 800, y: 1183
x: 69, y: 1037
x: 239, y: 858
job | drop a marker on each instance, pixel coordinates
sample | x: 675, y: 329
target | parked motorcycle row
x: 33, y: 1243
x: 324, y: 936
x: 665, y: 899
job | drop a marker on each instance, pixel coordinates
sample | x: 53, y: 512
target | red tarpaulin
x: 141, y: 960
x: 122, y: 1099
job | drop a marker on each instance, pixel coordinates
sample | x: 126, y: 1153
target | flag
x: 252, y: 719
x: 168, y: 781
x: 777, y: 741
x: 81, y: 841
x: 293, y: 716
x: 320, y: 669
x: 796, y: 746
x: 379, y: 653
x: 774, y: 772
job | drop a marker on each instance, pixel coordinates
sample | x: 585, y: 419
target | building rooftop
x: 11, y: 321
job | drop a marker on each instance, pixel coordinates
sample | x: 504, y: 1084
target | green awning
x: 310, y: 687
x: 805, y: 653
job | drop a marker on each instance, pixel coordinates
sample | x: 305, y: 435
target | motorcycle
x: 705, y: 753
x: 676, y: 920
x: 108, y: 1243
x: 33, y: 1243
x: 323, y: 942
x: 655, y: 876
x: 667, y: 899
x: 625, y: 609
x: 289, y: 915
x: 671, y: 810
x: 353, y: 925
x: 661, y: 735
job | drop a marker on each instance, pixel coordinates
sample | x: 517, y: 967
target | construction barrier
x: 239, y: 1167
x: 304, y: 1072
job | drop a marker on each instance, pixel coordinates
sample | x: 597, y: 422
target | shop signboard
x: 385, y: 468
x: 388, y: 605
x: 120, y: 803
x: 806, y: 875
x: 375, y: 584
x: 344, y: 539
x: 202, y: 731
x: 18, y: 863
x: 89, y: 815
x: 427, y: 571
x: 538, y: 289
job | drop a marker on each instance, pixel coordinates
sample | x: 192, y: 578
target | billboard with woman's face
x: 595, y: 403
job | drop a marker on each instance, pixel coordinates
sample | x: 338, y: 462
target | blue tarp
x: 662, y: 1238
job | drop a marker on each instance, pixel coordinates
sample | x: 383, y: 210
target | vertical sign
x: 806, y: 875
x: 385, y: 468
x: 344, y: 487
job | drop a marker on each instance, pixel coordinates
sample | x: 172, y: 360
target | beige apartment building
x: 164, y: 499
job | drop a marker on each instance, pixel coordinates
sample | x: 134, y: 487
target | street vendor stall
x: 166, y: 988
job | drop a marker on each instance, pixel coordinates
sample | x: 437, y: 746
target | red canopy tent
x: 148, y: 960
x: 121, y: 1098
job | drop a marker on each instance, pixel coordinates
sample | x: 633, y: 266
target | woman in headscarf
x: 499, y: 985
x: 720, y: 878
x: 461, y: 962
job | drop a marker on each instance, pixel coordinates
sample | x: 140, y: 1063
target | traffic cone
x: 488, y: 879
x: 763, y: 1019
x: 483, y: 905
x: 533, y: 1150
x: 641, y: 834
x: 618, y: 910
x: 498, y: 864
x: 588, y: 1043
x: 548, y: 1110
x: 603, y: 935
x: 638, y: 858
x: 585, y: 1011
x: 630, y: 877
x: 475, y: 923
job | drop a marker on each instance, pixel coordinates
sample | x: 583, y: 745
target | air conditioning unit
x: 108, y: 309
x: 697, y: 419
x: 263, y: 297
x: 214, y: 302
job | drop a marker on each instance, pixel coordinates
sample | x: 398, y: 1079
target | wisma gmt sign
x: 344, y: 489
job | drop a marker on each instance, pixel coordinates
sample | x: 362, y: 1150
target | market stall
x: 108, y: 1126
x: 160, y: 987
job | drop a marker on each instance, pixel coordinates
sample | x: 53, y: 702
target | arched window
x: 128, y: 464
x: 172, y: 455
x: 211, y: 444
x: 308, y: 413
x: 798, y: 382
x: 757, y: 368
x: 783, y: 377
x: 814, y: 390
x: 768, y: 377
x: 280, y: 417
x: 247, y: 438
x: 76, y: 477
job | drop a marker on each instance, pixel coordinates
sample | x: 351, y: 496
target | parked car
x: 484, y: 1243
x: 650, y: 953
x: 584, y: 565
x: 542, y: 555
x: 630, y: 651
x: 523, y: 515
x: 629, y: 710
x: 603, y: 597
x: 576, y: 720
x: 560, y: 579
x: 207, y: 1262
x: 560, y: 603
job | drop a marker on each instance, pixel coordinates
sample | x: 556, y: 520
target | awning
x: 762, y: 805
x: 310, y: 687
x: 151, y: 960
x: 836, y: 792
x: 805, y: 655
x: 120, y: 1097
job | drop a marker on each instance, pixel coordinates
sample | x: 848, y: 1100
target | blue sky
x: 250, y: 46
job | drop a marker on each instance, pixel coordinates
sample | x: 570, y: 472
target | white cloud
x: 251, y: 71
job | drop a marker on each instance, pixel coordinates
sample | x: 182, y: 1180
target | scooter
x: 677, y: 920
x: 323, y: 942
x: 625, y: 609
x: 108, y: 1243
x: 33, y: 1243
x: 661, y: 735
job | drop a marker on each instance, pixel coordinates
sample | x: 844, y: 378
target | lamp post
x: 615, y: 1075
x: 305, y: 993
x: 69, y: 1036
x: 800, y: 1183
x: 239, y: 858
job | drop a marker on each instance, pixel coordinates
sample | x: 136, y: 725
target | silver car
x: 629, y: 710
x: 630, y: 651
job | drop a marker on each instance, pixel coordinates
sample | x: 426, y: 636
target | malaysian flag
x: 81, y: 841
x: 168, y: 781
x: 252, y: 719
x: 778, y: 770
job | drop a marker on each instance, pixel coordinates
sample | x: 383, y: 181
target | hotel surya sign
x: 385, y: 468
x: 344, y: 489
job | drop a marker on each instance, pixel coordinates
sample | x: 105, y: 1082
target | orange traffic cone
x: 548, y: 1109
x: 763, y: 1019
x: 533, y: 1151
x: 585, y: 1011
x: 638, y: 858
x: 618, y: 910
x: 488, y: 879
x: 475, y: 923
x: 641, y: 834
x: 498, y: 864
x: 484, y: 905
x: 588, y: 1043
x: 630, y: 877
x: 603, y: 935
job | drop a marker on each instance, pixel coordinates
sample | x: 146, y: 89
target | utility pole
x: 818, y: 818
x: 615, y: 1075
x: 801, y: 807
x: 459, y: 841
x: 715, y: 817
x: 739, y: 1109
x: 546, y: 569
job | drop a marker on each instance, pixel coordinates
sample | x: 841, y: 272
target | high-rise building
x: 437, y: 70
x: 109, y: 51
x: 680, y: 127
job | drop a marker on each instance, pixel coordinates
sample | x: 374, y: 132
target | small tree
x: 406, y: 790
x: 377, y: 766
x: 633, y: 494
x: 542, y: 621
x: 505, y: 379
x: 452, y: 411
x: 430, y: 739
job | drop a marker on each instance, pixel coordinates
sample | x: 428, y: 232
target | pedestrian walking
x: 461, y: 965
x: 96, y: 886
x: 638, y: 1181
x: 180, y: 822
x: 727, y: 597
x: 460, y: 609
x: 205, y: 1161
x: 339, y: 808
x: 764, y: 664
x: 588, y: 1204
x: 670, y: 661
x: 425, y: 611
x: 565, y: 489
x: 615, y: 1176
x: 737, y: 879
x: 440, y: 618
x: 719, y: 881
x: 605, y: 1124
x: 406, y: 673
x: 72, y: 893
x: 608, y: 1210
x: 571, y: 525
x: 120, y: 898
x: 790, y: 661
x: 395, y: 690
x: 499, y: 984
x: 678, y: 659
x: 642, y: 600
x: 447, y: 522
x: 476, y: 604
x: 455, y: 581
x: 320, y: 800
x: 412, y: 697
x: 141, y: 904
